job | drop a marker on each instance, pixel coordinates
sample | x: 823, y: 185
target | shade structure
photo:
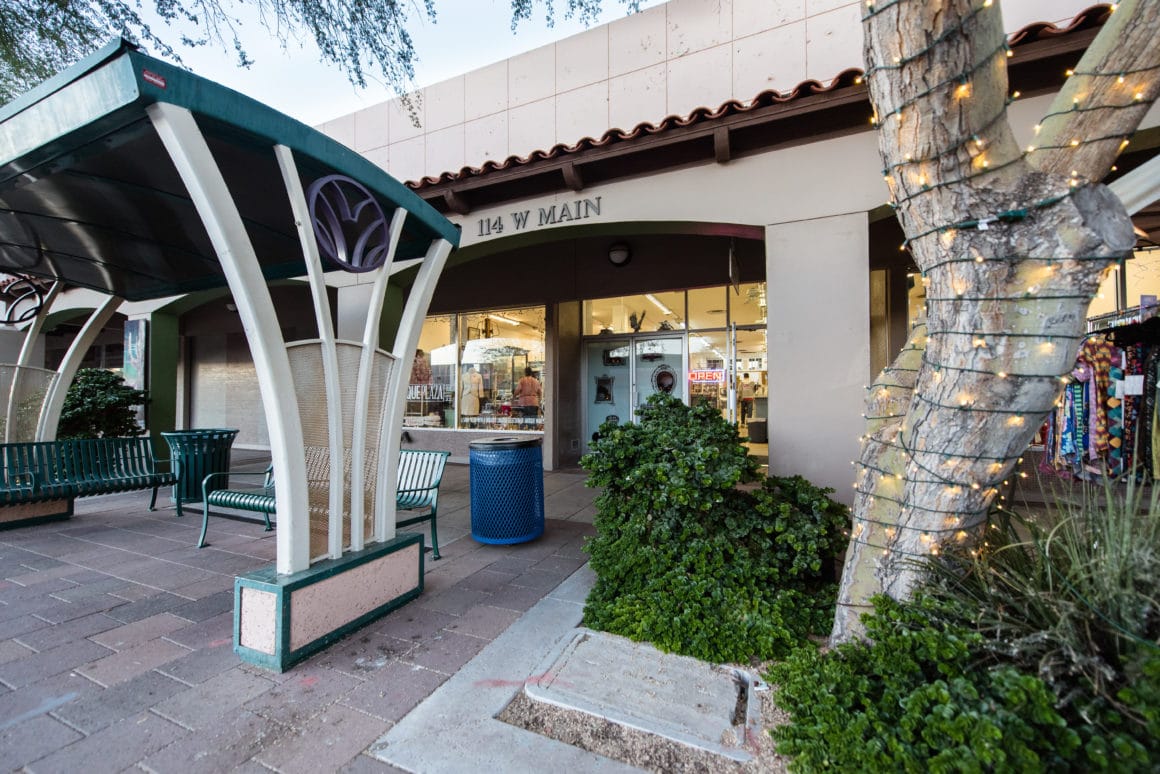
x: 140, y: 180
x: 89, y: 195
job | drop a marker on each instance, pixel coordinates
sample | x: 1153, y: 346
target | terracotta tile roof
x: 1090, y: 18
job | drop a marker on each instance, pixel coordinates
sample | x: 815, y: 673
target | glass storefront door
x: 621, y: 374
x: 658, y: 366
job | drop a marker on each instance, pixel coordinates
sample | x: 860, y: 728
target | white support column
x: 54, y: 401
x: 1140, y: 187
x: 207, y: 188
x: 406, y: 339
x: 328, y: 345
x: 27, y: 348
x: 819, y: 347
x: 370, y: 345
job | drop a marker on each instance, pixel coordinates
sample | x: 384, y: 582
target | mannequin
x: 472, y: 392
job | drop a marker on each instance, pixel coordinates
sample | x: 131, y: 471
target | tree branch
x: 1101, y: 104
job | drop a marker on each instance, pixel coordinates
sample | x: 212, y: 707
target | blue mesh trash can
x: 507, y: 490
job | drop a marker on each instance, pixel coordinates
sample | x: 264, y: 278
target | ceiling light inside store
x: 658, y: 303
x: 502, y: 319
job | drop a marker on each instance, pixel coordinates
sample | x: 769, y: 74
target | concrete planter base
x: 25, y: 514
x: 281, y: 619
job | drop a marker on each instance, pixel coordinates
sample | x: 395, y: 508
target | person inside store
x: 747, y: 393
x: 528, y: 393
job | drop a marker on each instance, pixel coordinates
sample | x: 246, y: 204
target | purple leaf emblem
x: 348, y: 222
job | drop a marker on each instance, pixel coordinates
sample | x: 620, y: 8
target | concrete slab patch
x: 631, y: 684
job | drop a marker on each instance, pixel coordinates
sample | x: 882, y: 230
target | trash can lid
x: 509, y: 442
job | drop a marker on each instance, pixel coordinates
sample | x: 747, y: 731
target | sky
x: 467, y: 35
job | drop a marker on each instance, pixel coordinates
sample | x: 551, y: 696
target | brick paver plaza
x: 116, y: 639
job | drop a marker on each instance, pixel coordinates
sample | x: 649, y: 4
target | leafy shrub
x: 915, y: 699
x: 99, y: 403
x: 1038, y: 653
x: 690, y: 562
x: 1070, y: 596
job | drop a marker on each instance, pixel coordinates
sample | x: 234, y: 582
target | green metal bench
x: 46, y: 471
x: 254, y: 500
x: 420, y: 473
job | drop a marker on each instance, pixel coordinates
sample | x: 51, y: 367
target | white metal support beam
x: 328, y: 343
x: 219, y: 213
x: 406, y: 339
x: 54, y: 401
x: 370, y: 345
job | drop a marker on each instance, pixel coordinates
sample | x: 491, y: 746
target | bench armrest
x: 267, y: 476
x: 412, y: 490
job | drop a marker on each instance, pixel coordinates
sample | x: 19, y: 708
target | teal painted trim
x: 271, y: 661
x: 240, y: 112
x: 109, y: 51
x: 282, y: 586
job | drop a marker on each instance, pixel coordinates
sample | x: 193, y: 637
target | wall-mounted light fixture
x: 231, y: 306
x: 619, y: 254
x: 502, y: 319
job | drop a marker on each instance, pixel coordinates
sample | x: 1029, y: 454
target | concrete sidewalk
x: 116, y: 635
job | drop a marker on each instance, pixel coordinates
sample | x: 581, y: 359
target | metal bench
x: 420, y: 473
x: 45, y: 471
x: 254, y: 500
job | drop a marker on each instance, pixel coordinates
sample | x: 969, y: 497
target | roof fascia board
x: 67, y: 117
x: 93, y: 61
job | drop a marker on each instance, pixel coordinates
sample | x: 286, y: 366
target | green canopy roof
x: 89, y: 195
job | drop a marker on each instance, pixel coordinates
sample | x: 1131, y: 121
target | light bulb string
x: 932, y: 530
x: 911, y: 452
x: 887, y: 474
x: 1013, y: 259
x: 1022, y: 298
x: 980, y: 486
x: 938, y: 480
x: 936, y: 366
x: 1077, y: 108
x: 1002, y: 217
x: 1004, y: 334
x: 954, y: 147
x: 1076, y: 143
x: 947, y: 34
x: 903, y: 503
x: 941, y: 479
x: 957, y: 82
x: 972, y: 406
x: 928, y: 188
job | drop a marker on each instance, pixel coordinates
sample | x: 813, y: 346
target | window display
x: 432, y: 385
x: 501, y: 360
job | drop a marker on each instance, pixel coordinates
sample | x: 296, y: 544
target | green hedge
x: 687, y: 560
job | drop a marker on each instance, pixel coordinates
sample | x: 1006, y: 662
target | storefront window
x: 662, y: 311
x: 1141, y: 281
x: 707, y: 371
x: 497, y: 350
x: 707, y: 308
x: 747, y: 306
x: 431, y: 389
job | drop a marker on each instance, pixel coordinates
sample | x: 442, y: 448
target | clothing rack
x: 1118, y: 319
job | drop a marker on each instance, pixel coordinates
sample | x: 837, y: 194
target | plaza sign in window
x: 469, y: 368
